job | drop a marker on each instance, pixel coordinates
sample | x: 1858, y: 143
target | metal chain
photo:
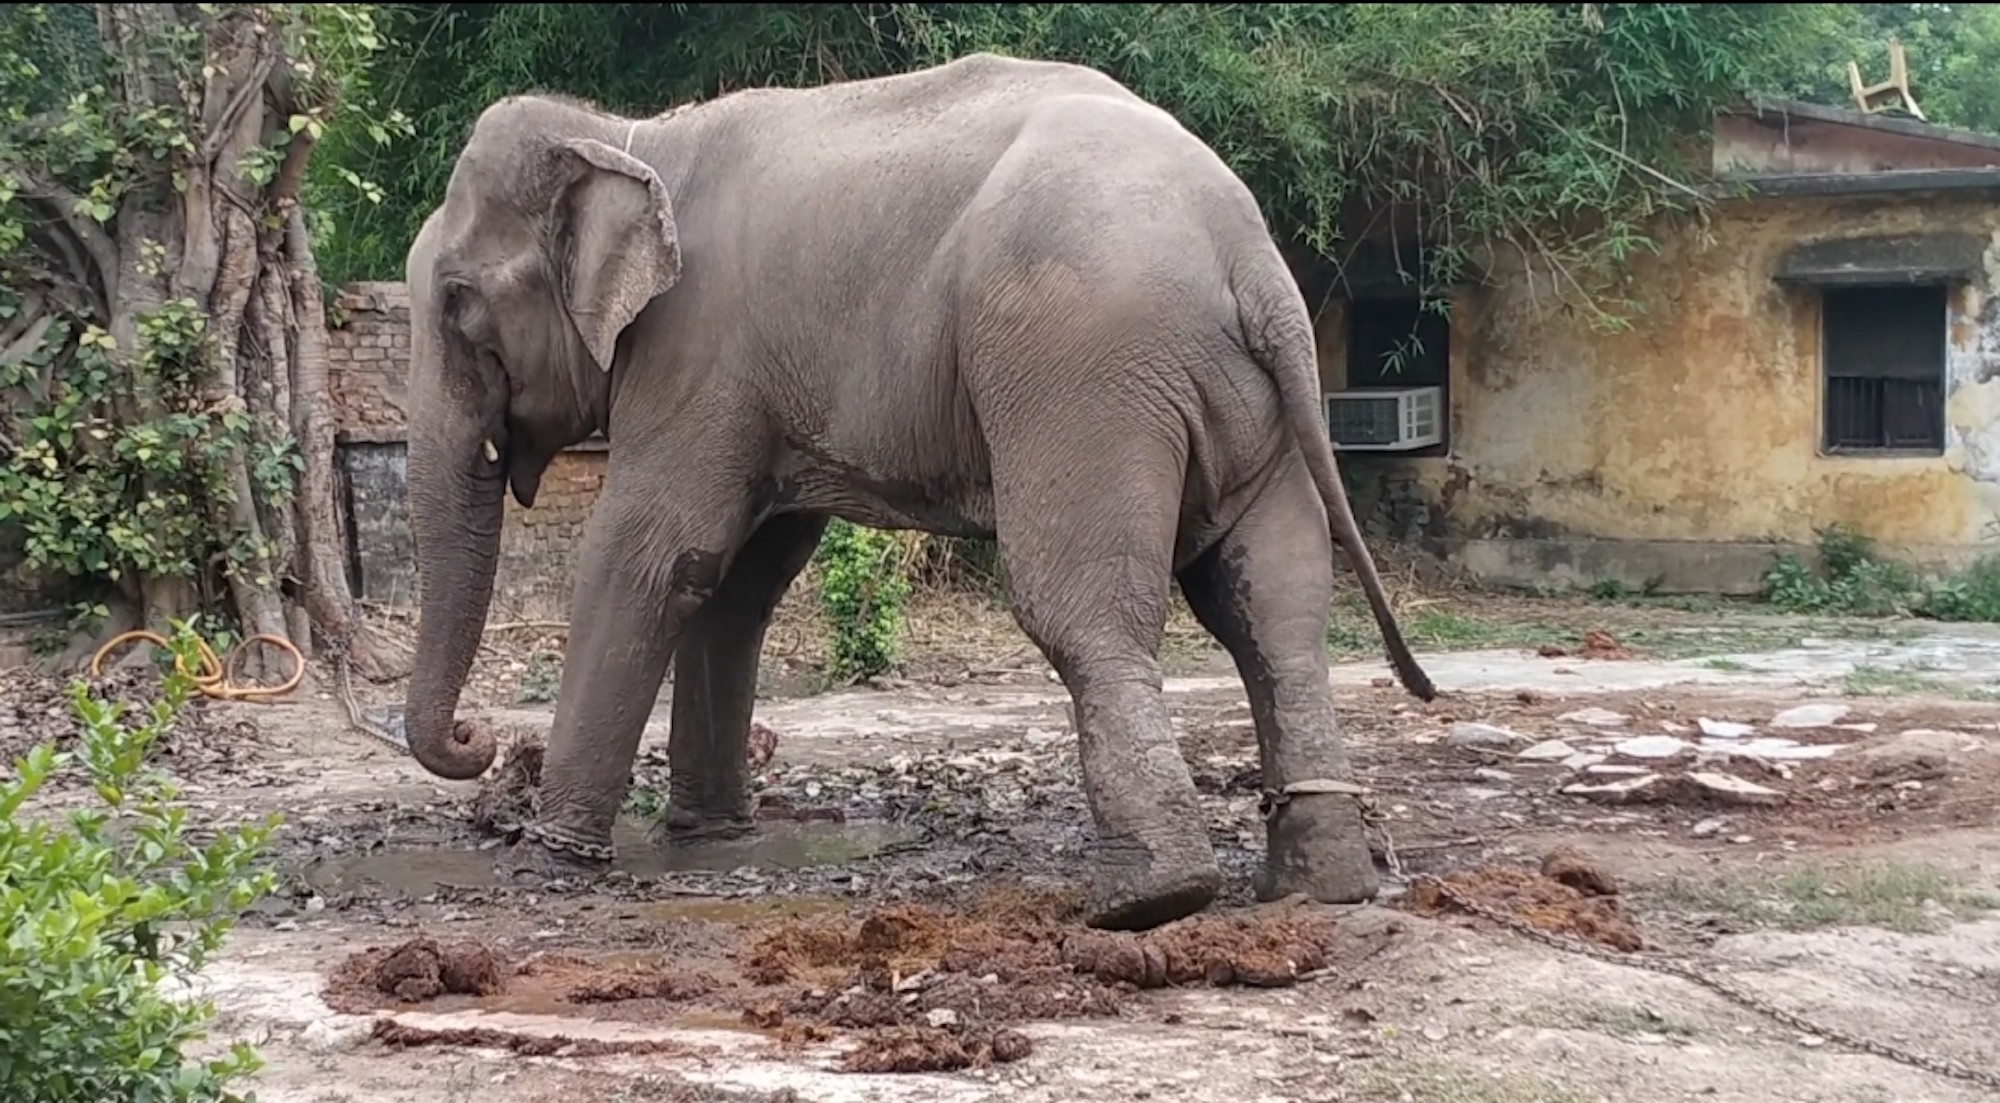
x: 344, y: 688
x: 1373, y: 817
x: 550, y: 837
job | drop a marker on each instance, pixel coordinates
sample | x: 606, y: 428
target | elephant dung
x: 1565, y: 865
x: 417, y: 970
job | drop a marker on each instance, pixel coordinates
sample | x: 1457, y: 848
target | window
x: 1883, y: 355
x: 1396, y: 343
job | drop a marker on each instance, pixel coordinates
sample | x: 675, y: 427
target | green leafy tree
x: 1953, y: 52
x: 1555, y: 129
x: 164, y: 430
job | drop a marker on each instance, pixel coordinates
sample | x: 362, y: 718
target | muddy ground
x: 904, y: 927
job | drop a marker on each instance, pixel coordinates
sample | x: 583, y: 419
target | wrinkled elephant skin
x: 994, y: 298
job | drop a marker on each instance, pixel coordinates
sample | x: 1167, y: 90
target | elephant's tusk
x: 492, y: 452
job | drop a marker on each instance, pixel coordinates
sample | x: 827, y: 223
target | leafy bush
x: 863, y: 593
x: 1855, y: 581
x: 99, y: 916
x: 542, y: 682
x: 1971, y: 596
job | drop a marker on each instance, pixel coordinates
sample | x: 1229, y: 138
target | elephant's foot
x: 1315, y: 846
x: 683, y: 824
x: 1135, y: 886
x: 544, y: 855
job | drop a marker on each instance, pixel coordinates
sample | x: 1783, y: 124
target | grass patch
x: 1853, y: 580
x: 1906, y: 897
x: 1351, y: 630
x: 1436, y: 1081
x: 1878, y: 681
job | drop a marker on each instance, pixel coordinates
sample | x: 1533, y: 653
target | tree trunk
x: 234, y: 245
x: 328, y: 598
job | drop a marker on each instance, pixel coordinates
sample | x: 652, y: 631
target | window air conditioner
x: 1385, y: 420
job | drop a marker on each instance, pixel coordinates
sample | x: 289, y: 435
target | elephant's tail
x: 1278, y: 333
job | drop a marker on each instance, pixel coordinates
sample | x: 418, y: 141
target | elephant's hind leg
x: 715, y: 681
x: 1089, y: 556
x: 1264, y: 592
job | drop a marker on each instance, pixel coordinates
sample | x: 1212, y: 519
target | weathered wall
x: 1684, y: 452
x: 369, y: 343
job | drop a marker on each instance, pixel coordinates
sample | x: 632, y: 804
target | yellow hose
x: 213, y: 680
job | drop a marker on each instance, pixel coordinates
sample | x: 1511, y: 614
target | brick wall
x: 368, y: 366
x: 368, y: 354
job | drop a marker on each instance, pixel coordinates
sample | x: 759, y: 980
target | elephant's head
x: 550, y: 241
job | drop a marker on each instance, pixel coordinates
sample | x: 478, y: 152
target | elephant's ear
x: 615, y: 243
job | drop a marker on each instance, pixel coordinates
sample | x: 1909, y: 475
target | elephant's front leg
x: 715, y: 681
x: 647, y: 571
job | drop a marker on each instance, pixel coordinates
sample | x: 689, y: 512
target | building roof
x: 1772, y: 146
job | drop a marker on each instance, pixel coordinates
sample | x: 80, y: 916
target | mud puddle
x: 781, y: 845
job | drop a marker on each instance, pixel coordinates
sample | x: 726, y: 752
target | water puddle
x: 777, y: 845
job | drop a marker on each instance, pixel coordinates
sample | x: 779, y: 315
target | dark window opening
x: 1883, y: 355
x: 1397, y: 343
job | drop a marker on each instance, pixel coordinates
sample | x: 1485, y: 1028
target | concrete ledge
x: 1668, y: 566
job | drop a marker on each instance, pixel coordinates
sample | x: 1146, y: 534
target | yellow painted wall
x: 1701, y: 422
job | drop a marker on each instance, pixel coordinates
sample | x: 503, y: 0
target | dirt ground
x: 1785, y: 817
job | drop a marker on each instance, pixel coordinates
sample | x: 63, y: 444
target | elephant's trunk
x: 456, y: 508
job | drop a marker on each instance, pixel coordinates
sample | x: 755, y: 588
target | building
x: 1828, y: 351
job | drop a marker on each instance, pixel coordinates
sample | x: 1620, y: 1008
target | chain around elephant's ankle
x: 565, y: 843
x: 1271, y: 800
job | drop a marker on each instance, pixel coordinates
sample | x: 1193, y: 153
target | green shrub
x: 104, y: 907
x: 863, y: 593
x: 1792, y: 587
x: 541, y: 683
x: 1971, y: 596
x: 1856, y: 582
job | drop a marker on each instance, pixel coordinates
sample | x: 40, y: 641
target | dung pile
x: 506, y: 800
x: 1577, y: 905
x: 414, y: 971
x: 933, y: 990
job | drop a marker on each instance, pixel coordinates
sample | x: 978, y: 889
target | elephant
x: 994, y: 298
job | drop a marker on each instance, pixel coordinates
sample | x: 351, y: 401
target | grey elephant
x: 992, y: 298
